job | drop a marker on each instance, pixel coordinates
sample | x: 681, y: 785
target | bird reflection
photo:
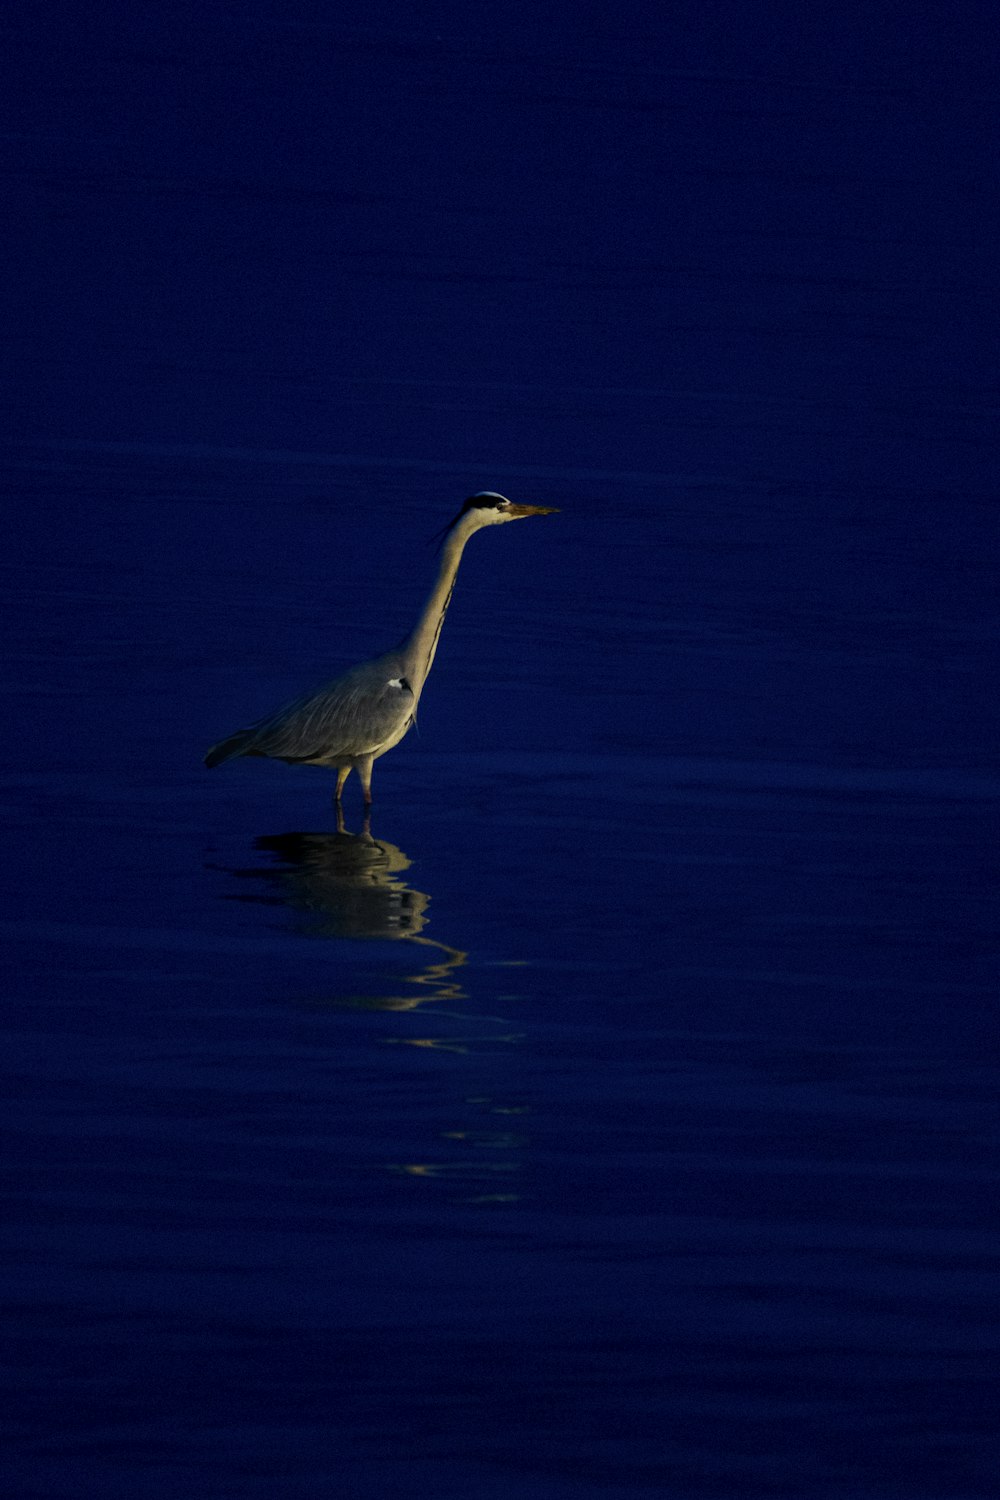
x: 348, y: 885
x: 353, y: 886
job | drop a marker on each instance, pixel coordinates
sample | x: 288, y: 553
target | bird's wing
x: 355, y: 715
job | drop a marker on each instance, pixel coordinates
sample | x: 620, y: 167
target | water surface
x: 613, y: 1115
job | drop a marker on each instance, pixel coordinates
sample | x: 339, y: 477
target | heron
x: 350, y: 722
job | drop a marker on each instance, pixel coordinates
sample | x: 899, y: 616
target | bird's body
x: 357, y: 716
x: 350, y: 722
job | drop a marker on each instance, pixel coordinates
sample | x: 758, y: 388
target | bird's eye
x: 502, y: 504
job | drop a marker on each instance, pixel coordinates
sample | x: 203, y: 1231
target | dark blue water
x: 615, y: 1114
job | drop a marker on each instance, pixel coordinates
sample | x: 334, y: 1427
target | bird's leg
x: 342, y: 774
x: 340, y: 818
x: 365, y: 772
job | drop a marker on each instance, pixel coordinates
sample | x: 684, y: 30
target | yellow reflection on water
x: 349, y: 886
x: 352, y: 886
x: 470, y: 1169
x: 456, y: 1043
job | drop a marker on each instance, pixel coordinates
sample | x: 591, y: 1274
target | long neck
x: 420, y: 645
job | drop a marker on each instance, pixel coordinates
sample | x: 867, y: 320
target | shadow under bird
x: 350, y: 722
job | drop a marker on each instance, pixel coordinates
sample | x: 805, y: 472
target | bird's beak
x: 532, y: 510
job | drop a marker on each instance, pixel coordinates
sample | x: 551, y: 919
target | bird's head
x: 490, y: 509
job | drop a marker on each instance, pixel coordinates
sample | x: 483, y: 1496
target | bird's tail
x: 237, y: 744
